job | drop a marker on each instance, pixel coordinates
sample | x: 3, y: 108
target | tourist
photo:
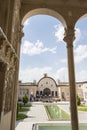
x: 33, y: 127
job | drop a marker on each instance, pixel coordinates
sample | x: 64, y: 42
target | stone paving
x: 37, y: 114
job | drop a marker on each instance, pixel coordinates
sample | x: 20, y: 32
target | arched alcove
x: 46, y: 92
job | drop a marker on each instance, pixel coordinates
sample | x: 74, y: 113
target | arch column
x: 15, y: 90
x: 69, y: 38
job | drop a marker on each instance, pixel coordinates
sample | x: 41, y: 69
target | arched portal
x: 46, y: 92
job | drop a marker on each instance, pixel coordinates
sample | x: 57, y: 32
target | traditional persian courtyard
x: 38, y: 115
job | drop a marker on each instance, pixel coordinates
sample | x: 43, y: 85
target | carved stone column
x: 13, y: 118
x: 18, y: 40
x: 16, y: 25
x: 69, y: 38
x: 9, y: 18
x: 8, y: 90
x: 2, y: 85
x: 20, y: 35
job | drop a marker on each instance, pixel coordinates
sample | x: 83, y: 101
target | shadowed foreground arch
x: 44, y: 11
x: 81, y: 17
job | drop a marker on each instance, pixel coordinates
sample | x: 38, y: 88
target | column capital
x: 69, y: 36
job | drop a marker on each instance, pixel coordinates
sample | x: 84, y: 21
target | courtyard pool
x: 58, y: 127
x: 56, y: 113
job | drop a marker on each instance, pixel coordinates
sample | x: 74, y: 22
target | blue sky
x: 44, y: 51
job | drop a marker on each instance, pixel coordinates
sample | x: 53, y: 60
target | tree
x: 78, y: 100
x: 17, y: 110
x: 25, y: 99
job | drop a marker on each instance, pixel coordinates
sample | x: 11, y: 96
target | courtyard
x: 37, y: 114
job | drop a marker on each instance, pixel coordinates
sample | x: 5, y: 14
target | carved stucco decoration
x: 2, y: 84
x: 9, y: 90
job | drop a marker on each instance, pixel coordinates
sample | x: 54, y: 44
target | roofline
x: 46, y: 77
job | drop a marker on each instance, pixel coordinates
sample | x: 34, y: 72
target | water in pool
x: 59, y: 127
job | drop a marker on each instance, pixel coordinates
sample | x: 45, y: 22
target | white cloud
x: 63, y: 60
x: 77, y: 34
x: 36, y: 49
x: 81, y: 75
x: 30, y: 74
x: 59, y: 34
x: 62, y: 74
x: 80, y: 53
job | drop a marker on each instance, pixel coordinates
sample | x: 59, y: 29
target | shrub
x: 78, y: 101
x: 26, y: 105
x: 25, y: 99
x: 17, y: 111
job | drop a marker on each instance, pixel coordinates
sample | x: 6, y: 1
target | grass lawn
x: 26, y: 105
x: 23, y: 109
x: 21, y: 116
x: 82, y: 108
x: 55, y: 113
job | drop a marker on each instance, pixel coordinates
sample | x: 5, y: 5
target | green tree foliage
x: 25, y: 99
x: 78, y: 100
x: 17, y: 111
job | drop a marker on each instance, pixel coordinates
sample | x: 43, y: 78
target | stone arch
x: 81, y: 17
x: 80, y: 24
x: 44, y: 11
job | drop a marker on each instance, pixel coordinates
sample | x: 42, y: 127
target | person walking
x: 33, y: 127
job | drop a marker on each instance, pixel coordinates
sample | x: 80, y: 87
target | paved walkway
x: 37, y: 114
